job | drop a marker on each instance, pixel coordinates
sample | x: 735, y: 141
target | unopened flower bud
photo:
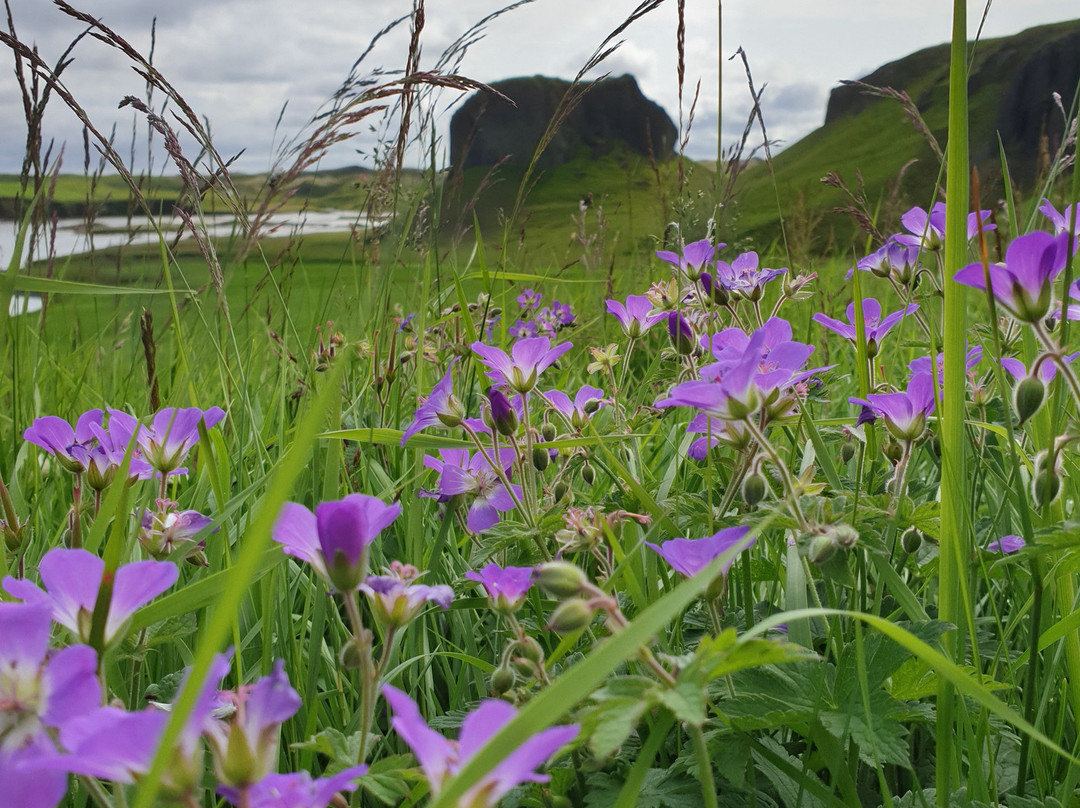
x: 531, y: 650
x: 714, y: 290
x: 503, y: 679
x: 588, y: 475
x: 540, y: 458
x: 847, y: 450
x: 548, y: 431
x: 1046, y: 487
x: 845, y: 536
x: 911, y: 540
x: 753, y: 489
x: 893, y: 451
x: 1028, y: 397
x: 871, y: 348
x: 591, y: 406
x: 682, y: 335
x: 560, y: 579
x: 351, y: 656
x: 503, y: 417
x: 523, y: 667
x: 822, y: 548
x: 560, y: 491
x: 573, y: 615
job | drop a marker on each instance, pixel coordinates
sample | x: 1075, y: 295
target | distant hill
x: 1010, y: 94
x: 488, y: 130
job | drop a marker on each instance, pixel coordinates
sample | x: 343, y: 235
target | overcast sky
x: 237, y: 62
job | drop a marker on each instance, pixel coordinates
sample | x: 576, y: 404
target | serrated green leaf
x: 686, y: 700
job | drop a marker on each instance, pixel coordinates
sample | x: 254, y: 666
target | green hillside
x: 874, y: 138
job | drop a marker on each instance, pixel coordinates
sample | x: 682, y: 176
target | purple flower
x: 681, y: 333
x: 72, y: 579
x: 923, y: 364
x: 1060, y: 221
x: 564, y: 313
x: 335, y: 539
x: 172, y: 434
x: 294, y: 790
x: 716, y: 432
x: 904, y: 413
x: 528, y: 359
x: 927, y: 230
x: 441, y: 759
x: 460, y: 473
x: 1006, y: 545
x: 765, y: 368
x: 523, y: 329
x: 714, y: 290
x: 113, y: 744
x: 71, y: 447
x: 28, y: 784
x: 876, y: 325
x: 395, y: 601
x: 893, y: 258
x: 246, y: 746
x: 690, y: 556
x: 1023, y: 284
x: 743, y: 276
x: 529, y: 299
x: 1047, y: 369
x: 506, y: 586
x: 441, y: 408
x: 38, y: 692
x: 165, y: 530
x: 694, y: 258
x: 586, y: 401
x: 504, y: 417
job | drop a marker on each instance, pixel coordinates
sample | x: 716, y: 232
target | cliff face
x: 487, y: 129
x: 1010, y: 89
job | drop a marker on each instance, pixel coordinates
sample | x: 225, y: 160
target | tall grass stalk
x: 956, y: 543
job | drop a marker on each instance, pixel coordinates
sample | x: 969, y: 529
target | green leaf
x: 686, y: 700
x: 54, y: 286
x: 610, y: 723
x: 392, y: 437
x: 878, y: 733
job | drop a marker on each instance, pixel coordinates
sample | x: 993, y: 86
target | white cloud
x: 239, y: 61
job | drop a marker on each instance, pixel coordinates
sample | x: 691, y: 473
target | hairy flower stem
x: 704, y: 764
x: 900, y: 478
x: 367, y: 673
x: 1054, y: 354
x: 499, y: 471
x: 791, y: 495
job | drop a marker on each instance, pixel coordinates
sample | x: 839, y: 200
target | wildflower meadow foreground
x: 722, y: 529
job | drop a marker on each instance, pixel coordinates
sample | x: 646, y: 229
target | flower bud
x: 844, y: 535
x: 714, y: 290
x: 847, y: 450
x: 822, y: 548
x: 1046, y: 487
x: 351, y: 655
x: 572, y: 615
x: 531, y: 650
x: 540, y: 458
x: 682, y: 336
x: 560, y: 579
x: 893, y: 451
x: 1028, y: 397
x: 548, y: 431
x: 753, y: 489
x: 911, y: 540
x: 503, y: 679
x: 503, y: 417
x: 588, y: 475
x: 560, y: 491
